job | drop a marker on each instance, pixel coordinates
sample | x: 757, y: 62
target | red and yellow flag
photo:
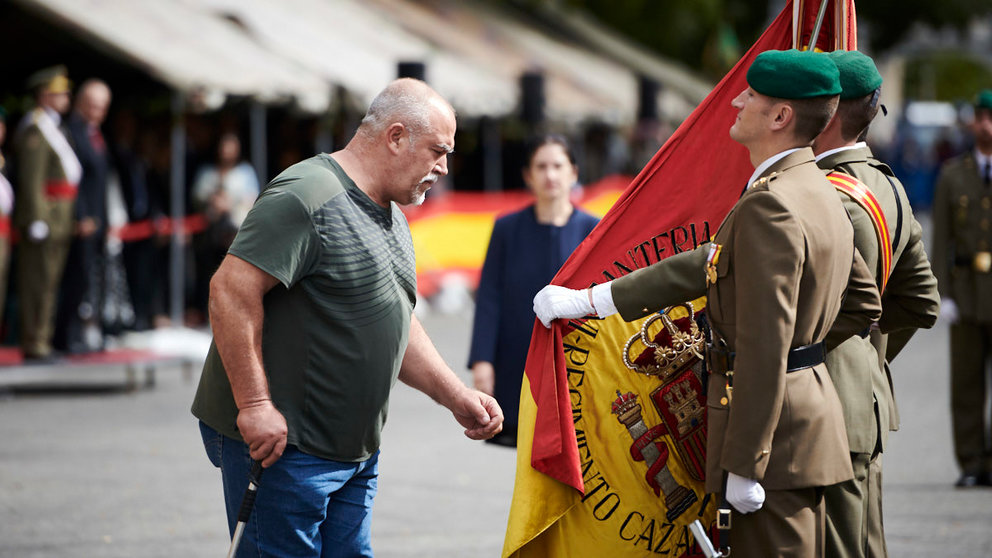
x: 612, y: 420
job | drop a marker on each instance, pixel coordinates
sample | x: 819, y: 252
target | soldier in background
x: 962, y: 216
x: 48, y: 173
x: 891, y: 244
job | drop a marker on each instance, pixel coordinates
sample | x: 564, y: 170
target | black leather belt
x: 721, y: 360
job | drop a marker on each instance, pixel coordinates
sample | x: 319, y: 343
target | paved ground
x: 100, y: 472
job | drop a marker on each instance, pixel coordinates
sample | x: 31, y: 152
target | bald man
x: 312, y: 313
x: 77, y: 326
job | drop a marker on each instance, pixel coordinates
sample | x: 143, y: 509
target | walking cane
x: 247, y: 503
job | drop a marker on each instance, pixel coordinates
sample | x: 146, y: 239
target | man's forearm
x: 236, y: 314
x: 424, y: 369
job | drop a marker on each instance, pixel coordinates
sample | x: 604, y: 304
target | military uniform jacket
x: 39, y: 175
x: 910, y: 299
x: 962, y: 221
x: 786, y: 258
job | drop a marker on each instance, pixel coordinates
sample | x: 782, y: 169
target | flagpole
x: 819, y: 22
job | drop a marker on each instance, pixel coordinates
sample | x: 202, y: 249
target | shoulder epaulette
x: 764, y: 180
x: 882, y: 167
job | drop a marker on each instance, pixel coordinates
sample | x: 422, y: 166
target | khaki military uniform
x: 962, y: 256
x: 862, y: 379
x: 43, y: 194
x: 786, y: 259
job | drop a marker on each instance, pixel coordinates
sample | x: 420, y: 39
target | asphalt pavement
x: 92, y: 469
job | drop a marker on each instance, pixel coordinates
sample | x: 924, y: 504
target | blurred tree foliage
x: 946, y: 75
x: 704, y: 34
x: 710, y: 35
x: 891, y: 19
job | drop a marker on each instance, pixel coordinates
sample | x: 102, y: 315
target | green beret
x: 793, y: 74
x: 984, y: 99
x: 50, y: 80
x: 858, y: 75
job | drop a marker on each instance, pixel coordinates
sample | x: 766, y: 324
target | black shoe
x: 985, y: 479
x: 971, y: 480
x: 39, y: 360
x: 507, y: 438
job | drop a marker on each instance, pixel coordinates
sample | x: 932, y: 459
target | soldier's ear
x: 782, y: 115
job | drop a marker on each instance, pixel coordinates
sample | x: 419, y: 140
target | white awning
x: 350, y: 44
x: 187, y: 48
x: 683, y: 89
x: 474, y: 56
x: 272, y: 50
x: 579, y: 83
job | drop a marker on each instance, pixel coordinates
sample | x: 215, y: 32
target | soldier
x: 47, y: 175
x: 775, y: 276
x: 962, y: 255
x: 890, y: 241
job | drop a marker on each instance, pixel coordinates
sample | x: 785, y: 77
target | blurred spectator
x: 223, y: 192
x: 525, y: 252
x: 78, y: 327
x: 48, y: 173
x: 157, y: 152
x: 6, y: 206
x: 604, y: 153
x: 648, y: 137
x: 143, y: 207
x: 962, y: 262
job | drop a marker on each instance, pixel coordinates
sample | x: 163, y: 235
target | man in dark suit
x: 962, y: 260
x: 780, y: 273
x: 78, y: 324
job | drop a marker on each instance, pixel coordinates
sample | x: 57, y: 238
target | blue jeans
x: 305, y: 506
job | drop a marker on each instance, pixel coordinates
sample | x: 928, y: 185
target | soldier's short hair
x: 856, y: 116
x: 812, y: 115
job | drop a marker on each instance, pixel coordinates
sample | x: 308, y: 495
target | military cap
x: 858, y: 75
x: 793, y: 74
x: 50, y: 80
x: 984, y: 99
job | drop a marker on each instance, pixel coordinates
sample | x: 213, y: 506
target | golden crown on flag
x: 626, y: 408
x: 683, y: 346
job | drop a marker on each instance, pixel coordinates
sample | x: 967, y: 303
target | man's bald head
x: 93, y: 100
x: 407, y: 101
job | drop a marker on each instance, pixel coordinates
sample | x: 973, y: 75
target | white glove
x: 38, y: 231
x: 554, y: 301
x: 745, y: 494
x: 949, y: 310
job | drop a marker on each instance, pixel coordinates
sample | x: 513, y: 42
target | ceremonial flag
x: 611, y: 437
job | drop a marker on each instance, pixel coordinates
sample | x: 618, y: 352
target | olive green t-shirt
x: 336, y: 329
